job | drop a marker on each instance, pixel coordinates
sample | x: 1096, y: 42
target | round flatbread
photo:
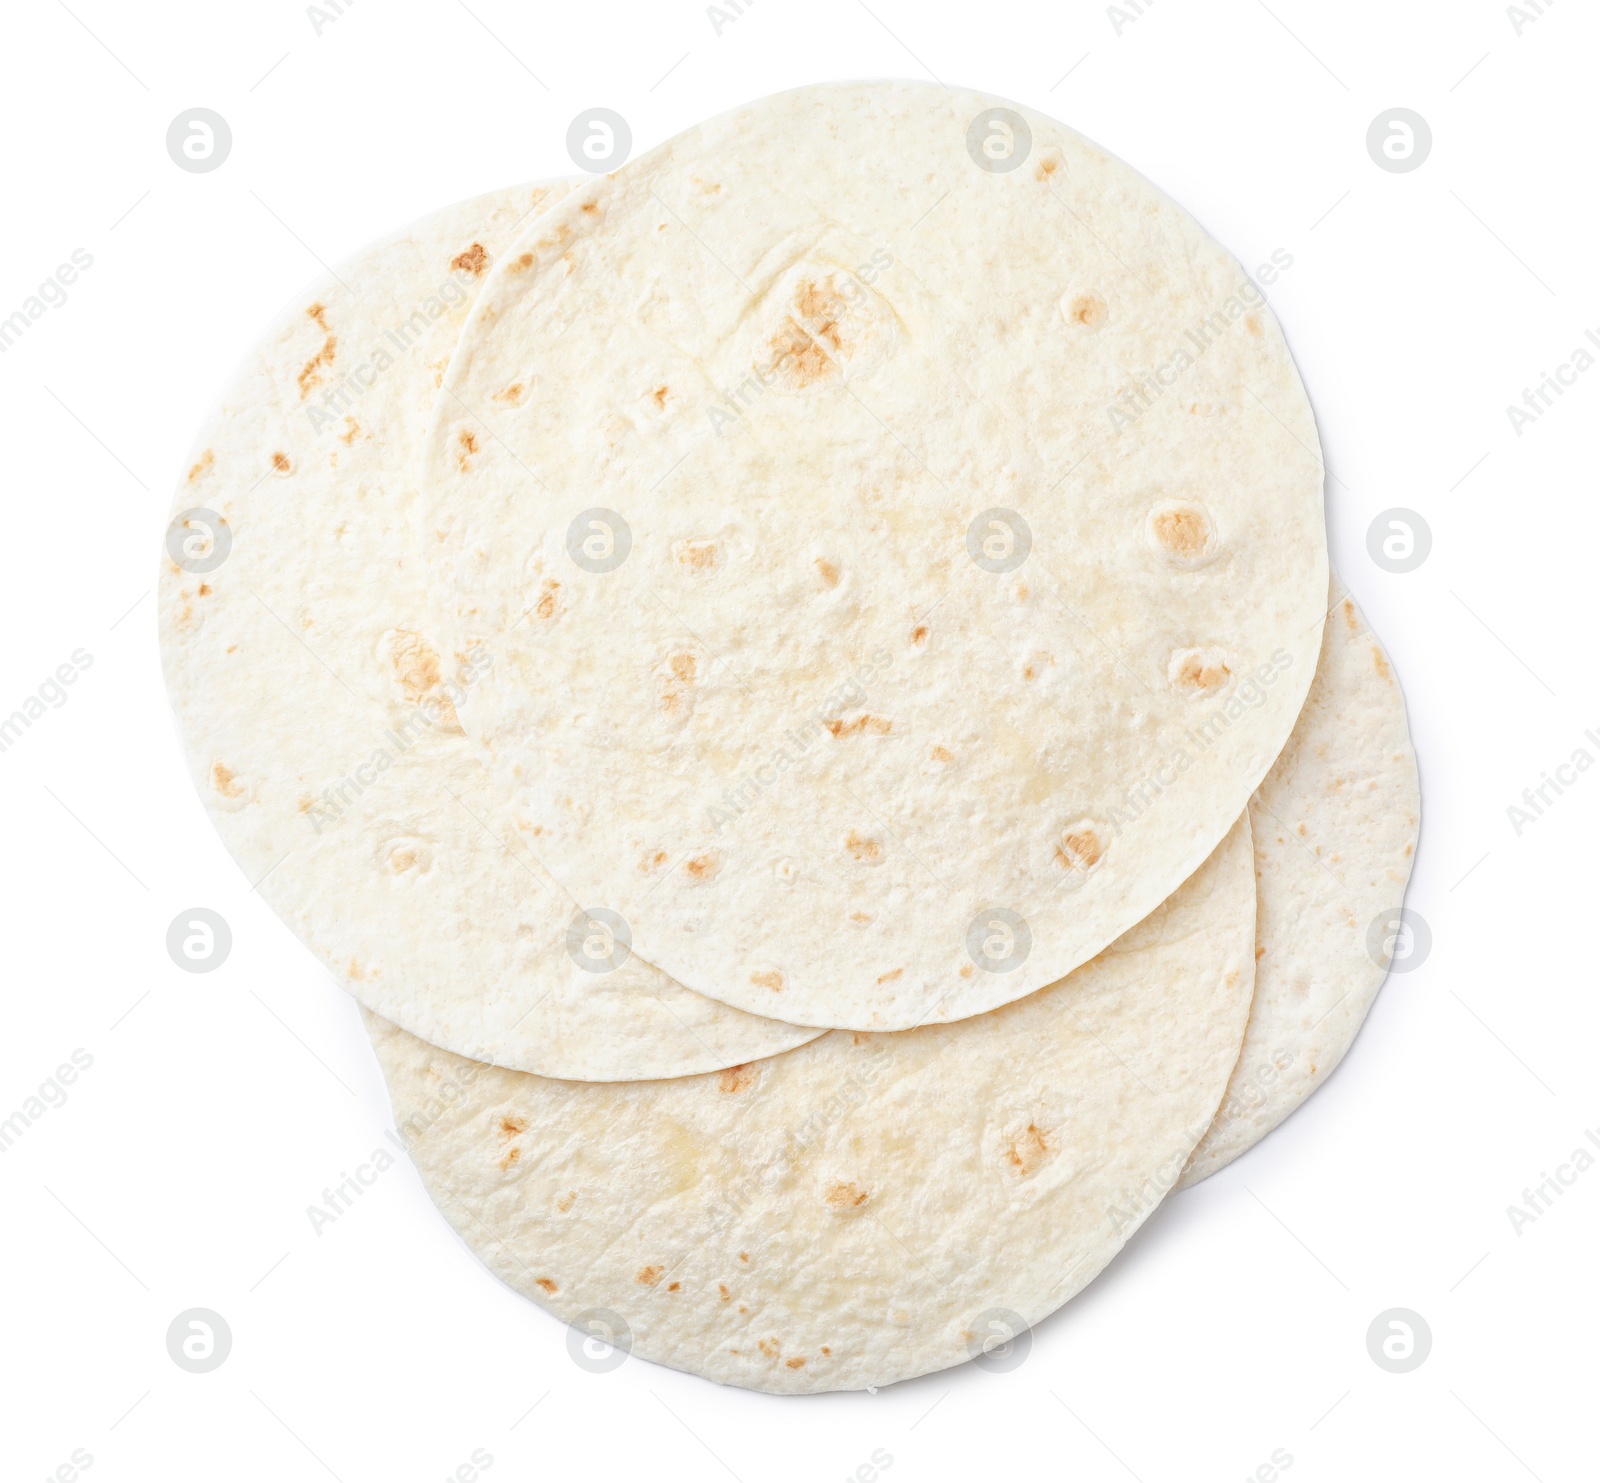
x: 865, y: 1208
x: 1335, y: 826
x: 318, y: 713
x: 901, y: 558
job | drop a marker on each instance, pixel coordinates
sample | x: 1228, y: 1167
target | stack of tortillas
x: 798, y: 684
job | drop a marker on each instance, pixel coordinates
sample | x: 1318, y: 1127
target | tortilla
x: 899, y: 571
x: 318, y: 713
x: 865, y: 1208
x: 1335, y: 826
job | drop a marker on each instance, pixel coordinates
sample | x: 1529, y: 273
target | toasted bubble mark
x: 817, y: 310
x: 723, y: 1293
x: 674, y: 1286
x: 966, y: 970
x: 859, y: 847
x: 511, y: 1125
x: 472, y: 260
x: 890, y: 976
x: 1082, y: 846
x: 767, y: 979
x: 652, y: 860
x: 1182, y: 532
x: 311, y: 374
x: 1199, y: 672
x: 843, y: 1197
x: 1029, y: 1151
x: 919, y: 635
x: 862, y: 725
x: 523, y: 263
x: 704, y: 867
x: 861, y: 918
x: 1036, y: 664
x: 224, y: 780
x: 352, y: 430
x: 356, y: 971
x: 467, y: 441
x: 699, y: 558
x: 511, y: 1155
x: 280, y: 461
x: 1380, y: 664
x: 318, y: 314
x: 797, y: 1363
x: 1350, y: 620
x: 1252, y: 322
x: 207, y: 459
x: 413, y: 661
x: 547, y: 1285
x: 798, y: 360
x: 942, y: 755
x: 566, y: 1202
x: 826, y: 1350
x: 549, y: 599
x: 511, y: 394
x: 736, y: 1079
x: 1086, y: 310
x: 683, y: 667
x: 660, y: 395
x: 1048, y: 165
x: 828, y: 571
x: 649, y: 1276
x: 769, y: 1347
x: 590, y: 208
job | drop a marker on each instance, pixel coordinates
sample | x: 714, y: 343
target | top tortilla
x: 318, y: 713
x: 806, y: 723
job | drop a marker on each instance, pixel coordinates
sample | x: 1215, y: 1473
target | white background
x: 219, y: 1106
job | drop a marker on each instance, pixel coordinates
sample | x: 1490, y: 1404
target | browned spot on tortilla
x: 827, y: 571
x: 826, y: 1350
x: 280, y: 461
x: 311, y: 372
x: 204, y: 589
x: 1181, y: 531
x: 512, y: 394
x: 546, y: 1284
x: 804, y: 360
x: 1252, y: 322
x: 416, y: 666
x: 549, y: 596
x: 876, y: 725
x: 522, y: 264
x: 868, y: 851
x: 966, y: 970
x: 206, y: 460
x: 722, y: 1290
x: 1350, y: 620
x: 1081, y: 847
x: 222, y: 779
x: 859, y: 1037
x: 1089, y: 310
x: 674, y: 1286
x: 842, y: 1196
x: 890, y: 976
x: 1379, y: 663
x: 652, y: 861
x: 401, y: 859
x: 1048, y: 165
x: 714, y: 186
x: 474, y: 260
x: 704, y: 867
x: 768, y: 979
x: 1028, y: 1151
x: 919, y: 634
x: 683, y: 667
x: 942, y: 755
x: 1260, y: 951
x: 736, y: 1079
x: 352, y: 430
x: 660, y: 394
x: 305, y: 803
x: 512, y: 1154
x: 699, y: 557
x: 590, y: 208
x: 468, y: 441
x: 816, y: 308
x: 769, y: 1347
x: 797, y: 1363
x: 648, y: 1276
x: 1200, y: 671
x: 744, y: 1256
x: 861, y: 918
x: 511, y: 1125
x: 564, y: 1204
x: 356, y: 971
